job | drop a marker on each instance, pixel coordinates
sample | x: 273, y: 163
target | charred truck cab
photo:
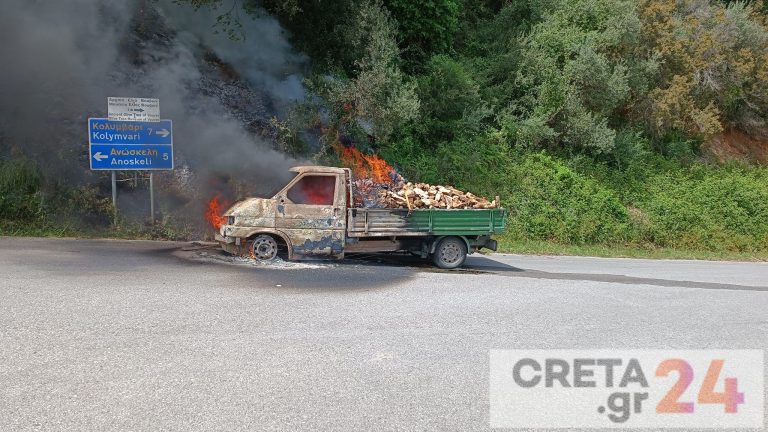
x: 313, y: 217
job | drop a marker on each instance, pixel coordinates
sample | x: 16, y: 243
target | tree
x: 425, y: 27
x: 319, y: 29
x: 576, y: 73
x: 714, y: 72
x: 449, y: 97
x: 378, y: 97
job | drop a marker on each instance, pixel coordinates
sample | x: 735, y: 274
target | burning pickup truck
x: 315, y: 215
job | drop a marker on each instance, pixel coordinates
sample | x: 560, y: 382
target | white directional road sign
x: 133, y: 109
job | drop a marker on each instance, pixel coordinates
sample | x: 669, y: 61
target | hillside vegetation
x: 586, y: 116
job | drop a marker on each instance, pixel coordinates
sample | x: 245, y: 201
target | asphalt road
x: 117, y: 335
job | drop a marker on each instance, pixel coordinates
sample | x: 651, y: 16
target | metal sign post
x: 151, y: 197
x: 114, y: 195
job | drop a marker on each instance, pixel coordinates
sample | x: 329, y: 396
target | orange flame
x: 213, y: 213
x: 366, y: 165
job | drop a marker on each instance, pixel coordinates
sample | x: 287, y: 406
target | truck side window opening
x: 314, y: 190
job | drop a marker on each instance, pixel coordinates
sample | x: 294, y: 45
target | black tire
x: 264, y: 248
x: 450, y: 253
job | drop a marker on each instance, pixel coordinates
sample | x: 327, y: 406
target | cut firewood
x: 413, y: 196
x: 422, y: 196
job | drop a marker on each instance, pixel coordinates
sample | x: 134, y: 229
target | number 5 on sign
x: 730, y: 398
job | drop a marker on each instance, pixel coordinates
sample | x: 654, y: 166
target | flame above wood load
x: 378, y: 185
x: 368, y: 166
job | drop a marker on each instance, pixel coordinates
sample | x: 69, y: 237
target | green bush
x: 547, y: 199
x: 20, y: 196
x: 473, y: 163
x: 550, y: 201
x: 709, y: 208
x: 632, y: 197
x: 449, y: 96
x: 33, y: 205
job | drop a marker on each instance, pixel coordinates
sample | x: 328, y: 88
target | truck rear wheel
x: 264, y: 248
x: 450, y: 253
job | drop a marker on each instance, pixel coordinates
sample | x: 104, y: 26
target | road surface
x: 128, y: 335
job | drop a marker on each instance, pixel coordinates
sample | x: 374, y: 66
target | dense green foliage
x: 708, y: 208
x: 654, y: 202
x: 33, y: 205
x: 20, y: 184
x: 24, y: 203
x: 422, y: 29
x: 586, y: 116
x: 425, y: 28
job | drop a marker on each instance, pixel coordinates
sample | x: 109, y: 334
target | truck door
x: 311, y: 210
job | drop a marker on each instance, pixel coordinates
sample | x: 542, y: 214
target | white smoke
x: 56, y: 62
x: 62, y: 59
x: 264, y: 56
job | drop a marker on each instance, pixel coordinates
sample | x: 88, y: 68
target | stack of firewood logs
x: 422, y: 196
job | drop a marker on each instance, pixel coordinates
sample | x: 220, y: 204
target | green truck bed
x: 362, y: 222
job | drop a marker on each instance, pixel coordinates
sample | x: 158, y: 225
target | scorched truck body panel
x: 313, y: 217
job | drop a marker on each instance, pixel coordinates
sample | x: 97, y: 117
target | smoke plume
x: 62, y: 59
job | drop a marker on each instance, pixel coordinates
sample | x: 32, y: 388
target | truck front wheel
x: 450, y: 253
x: 264, y: 248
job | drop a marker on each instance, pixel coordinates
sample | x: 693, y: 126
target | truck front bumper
x: 224, y: 239
x: 231, y: 245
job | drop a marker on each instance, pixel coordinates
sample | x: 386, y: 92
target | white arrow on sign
x: 99, y: 157
x: 163, y: 132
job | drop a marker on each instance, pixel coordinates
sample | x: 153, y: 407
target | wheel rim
x: 450, y: 253
x: 264, y: 248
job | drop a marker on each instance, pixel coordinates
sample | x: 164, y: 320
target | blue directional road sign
x: 130, y: 145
